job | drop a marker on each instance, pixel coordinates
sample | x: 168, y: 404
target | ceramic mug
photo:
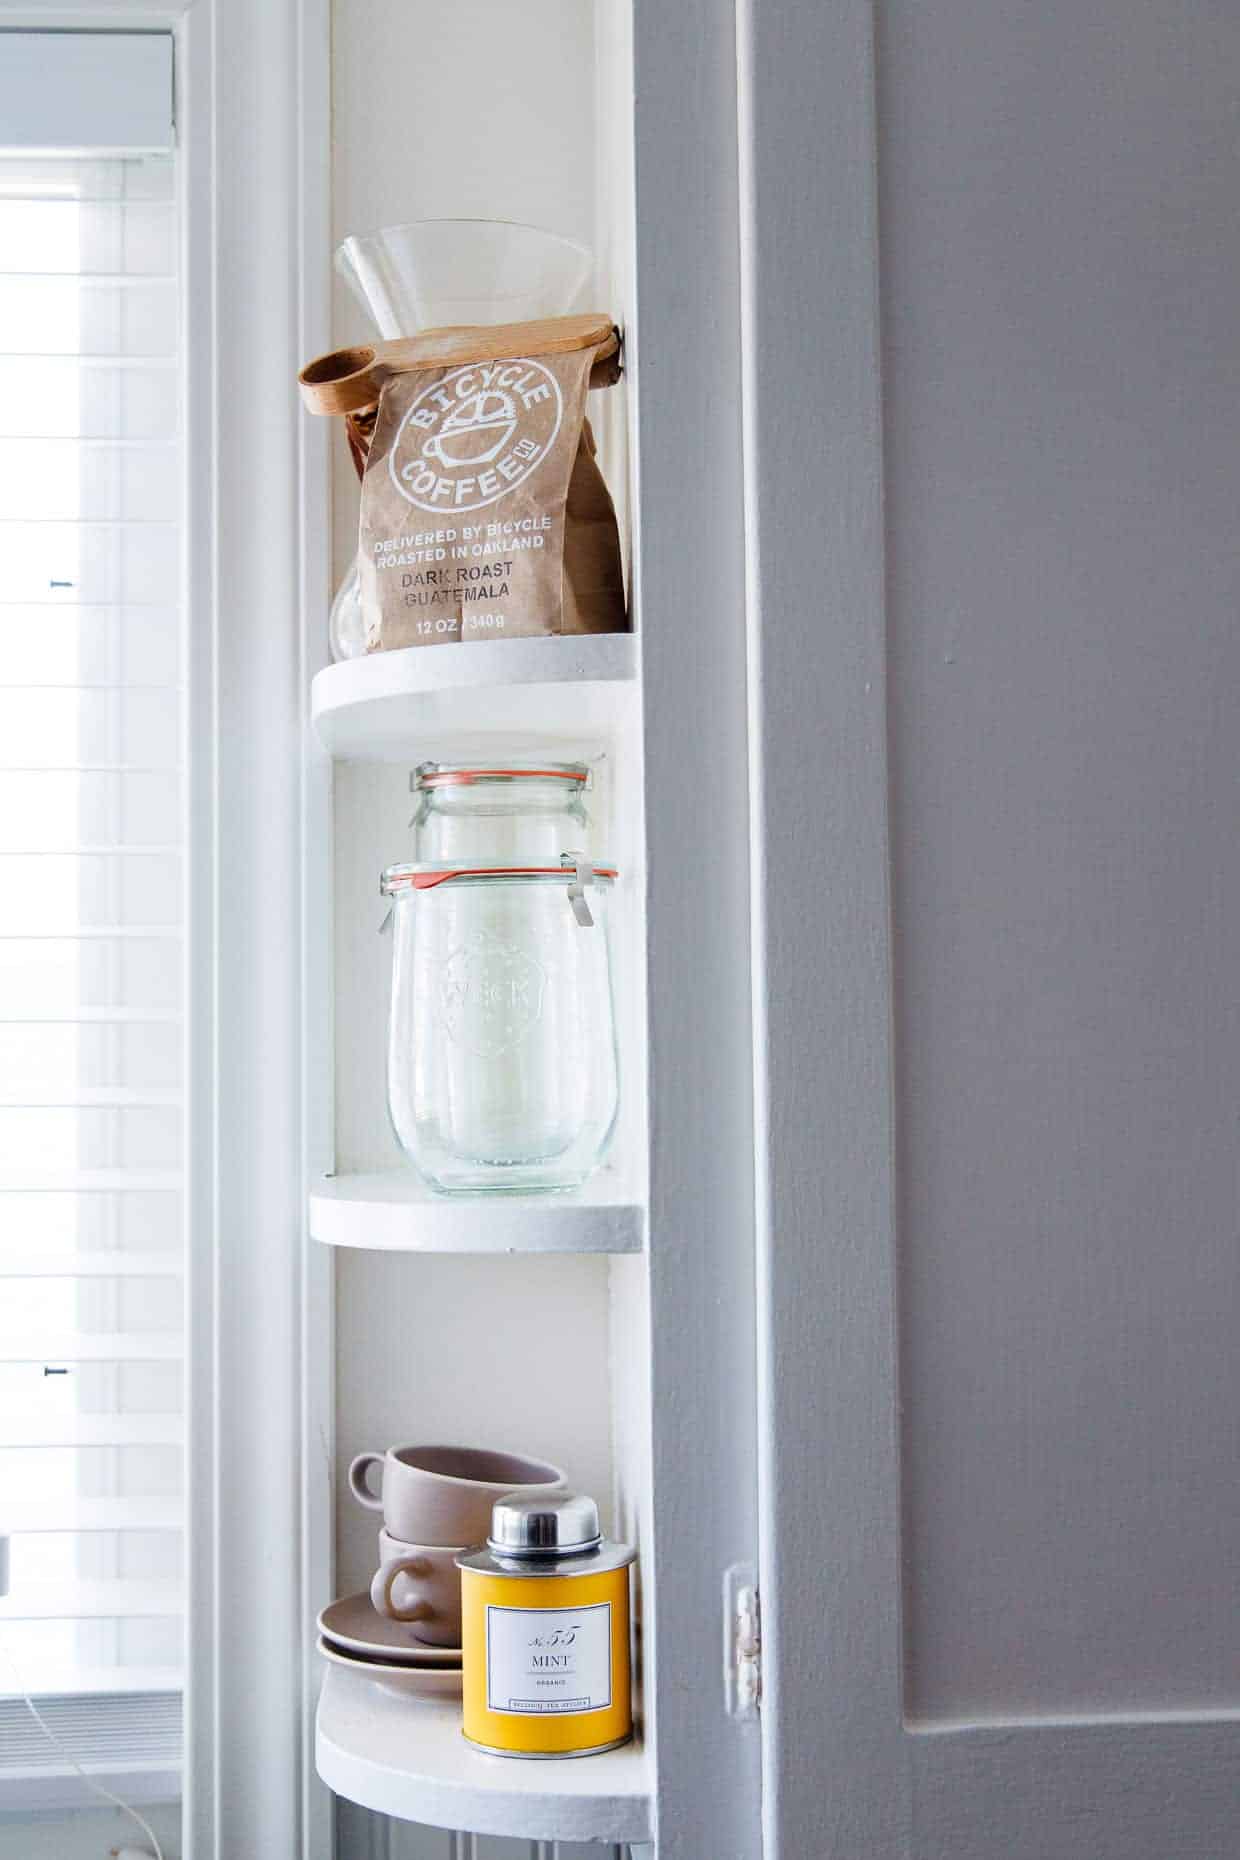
x: 429, y: 1594
x: 441, y: 1496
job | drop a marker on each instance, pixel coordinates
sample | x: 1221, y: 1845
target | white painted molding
x: 683, y: 344
x: 252, y: 102
x: 318, y: 1325
x: 813, y: 462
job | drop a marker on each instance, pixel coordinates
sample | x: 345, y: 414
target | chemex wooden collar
x: 349, y: 381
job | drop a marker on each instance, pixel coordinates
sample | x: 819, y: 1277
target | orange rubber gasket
x: 449, y: 777
x: 426, y: 881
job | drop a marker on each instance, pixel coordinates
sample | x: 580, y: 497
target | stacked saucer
x: 353, y: 1634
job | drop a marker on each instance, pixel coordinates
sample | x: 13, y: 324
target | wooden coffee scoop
x: 349, y: 381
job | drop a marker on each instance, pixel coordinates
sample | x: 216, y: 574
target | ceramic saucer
x: 356, y: 1626
x: 404, y: 1681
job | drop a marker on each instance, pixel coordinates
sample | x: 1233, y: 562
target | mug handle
x: 385, y: 1581
x: 358, y: 1481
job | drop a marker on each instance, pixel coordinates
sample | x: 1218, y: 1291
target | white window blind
x: 92, y: 92
x: 92, y: 856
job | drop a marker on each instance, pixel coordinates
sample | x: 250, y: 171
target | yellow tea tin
x: 545, y: 1631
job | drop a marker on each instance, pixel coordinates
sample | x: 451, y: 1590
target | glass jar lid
x: 427, y: 877
x: 432, y: 775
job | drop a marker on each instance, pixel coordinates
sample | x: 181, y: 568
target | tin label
x: 542, y: 1660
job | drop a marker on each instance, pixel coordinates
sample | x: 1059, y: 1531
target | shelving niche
x: 472, y: 1262
x: 380, y: 716
x: 588, y: 1329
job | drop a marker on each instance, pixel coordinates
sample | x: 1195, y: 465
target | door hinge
x: 742, y: 1635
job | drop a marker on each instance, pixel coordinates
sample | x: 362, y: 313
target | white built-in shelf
x: 406, y: 1757
x: 396, y: 1213
x: 428, y: 700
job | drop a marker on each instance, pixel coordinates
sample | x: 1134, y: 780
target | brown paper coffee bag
x: 484, y: 513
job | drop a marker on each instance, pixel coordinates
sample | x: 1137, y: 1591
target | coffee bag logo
x: 476, y: 434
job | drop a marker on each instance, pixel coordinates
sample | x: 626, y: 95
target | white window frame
x: 252, y: 99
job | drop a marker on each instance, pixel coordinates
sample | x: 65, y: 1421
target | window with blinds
x: 92, y: 966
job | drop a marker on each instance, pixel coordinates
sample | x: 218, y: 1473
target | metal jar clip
x: 583, y: 876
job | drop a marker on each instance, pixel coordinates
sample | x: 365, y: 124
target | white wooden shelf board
x: 395, y: 1212
x: 406, y: 1757
x: 452, y: 700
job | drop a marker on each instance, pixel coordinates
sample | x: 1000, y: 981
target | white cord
x: 56, y: 1744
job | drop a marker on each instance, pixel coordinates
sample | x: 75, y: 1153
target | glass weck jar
x: 502, y: 1069
x: 509, y: 813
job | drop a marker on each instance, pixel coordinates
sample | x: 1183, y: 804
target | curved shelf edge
x: 395, y: 1212
x: 407, y: 1758
x: 391, y: 704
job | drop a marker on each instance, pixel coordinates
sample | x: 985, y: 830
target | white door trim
x: 254, y: 83
x: 683, y: 333
x: 317, y: 1314
x: 813, y: 450
x: 256, y: 87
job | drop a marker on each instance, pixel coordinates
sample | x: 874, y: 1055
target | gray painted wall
x: 1060, y: 242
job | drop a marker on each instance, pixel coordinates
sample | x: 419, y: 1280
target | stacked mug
x: 436, y: 1503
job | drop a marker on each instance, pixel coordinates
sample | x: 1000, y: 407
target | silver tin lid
x: 546, y: 1533
x: 547, y: 1524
